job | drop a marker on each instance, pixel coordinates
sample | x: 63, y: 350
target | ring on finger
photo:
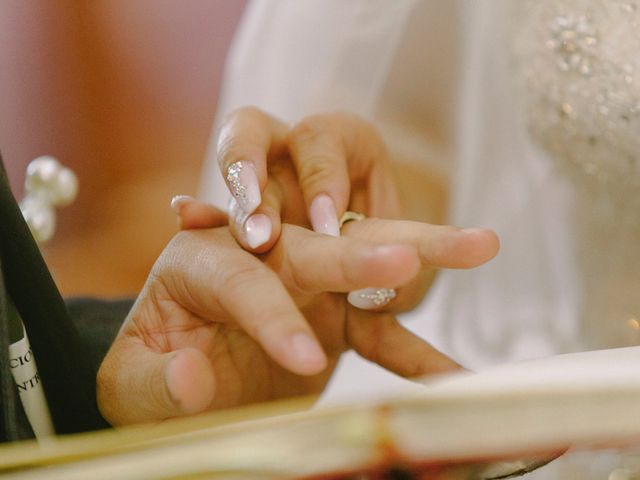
x: 350, y: 216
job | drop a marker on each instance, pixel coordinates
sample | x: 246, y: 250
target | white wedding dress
x: 529, y: 108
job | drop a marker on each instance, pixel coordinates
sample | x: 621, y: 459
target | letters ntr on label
x: 30, y: 383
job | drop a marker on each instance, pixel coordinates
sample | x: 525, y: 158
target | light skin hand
x: 323, y: 165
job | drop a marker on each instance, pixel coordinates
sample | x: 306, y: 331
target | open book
x: 504, y: 420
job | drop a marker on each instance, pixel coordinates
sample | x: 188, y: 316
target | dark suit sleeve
x: 98, y: 323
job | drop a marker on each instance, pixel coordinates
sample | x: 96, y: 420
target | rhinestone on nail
x: 381, y: 296
x: 233, y: 177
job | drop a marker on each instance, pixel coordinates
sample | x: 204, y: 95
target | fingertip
x: 481, y: 232
x: 452, y: 247
x: 486, y: 241
x: 308, y: 358
x: 190, y: 381
x: 258, y: 233
x: 257, y: 230
x: 296, y: 350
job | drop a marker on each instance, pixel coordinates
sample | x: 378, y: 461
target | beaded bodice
x: 577, y: 65
x: 580, y: 62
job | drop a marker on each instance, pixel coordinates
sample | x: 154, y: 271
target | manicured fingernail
x: 324, y: 218
x: 307, y: 350
x: 371, y: 298
x: 244, y: 186
x: 179, y: 200
x: 257, y: 230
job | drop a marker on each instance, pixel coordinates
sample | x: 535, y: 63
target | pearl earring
x: 48, y: 184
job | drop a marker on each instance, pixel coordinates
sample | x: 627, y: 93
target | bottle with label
x: 25, y: 375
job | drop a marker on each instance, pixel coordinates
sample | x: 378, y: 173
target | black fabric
x: 98, y: 322
x: 8, y: 419
x: 12, y: 420
x: 63, y: 361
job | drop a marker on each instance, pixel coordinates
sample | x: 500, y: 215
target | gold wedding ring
x: 350, y: 216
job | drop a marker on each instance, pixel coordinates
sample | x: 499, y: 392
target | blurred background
x: 125, y: 94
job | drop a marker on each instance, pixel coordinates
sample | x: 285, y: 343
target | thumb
x: 136, y: 384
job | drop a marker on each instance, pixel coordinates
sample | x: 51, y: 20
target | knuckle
x: 233, y: 149
x: 187, y: 252
x: 361, y: 124
x: 298, y: 282
x: 179, y: 240
x: 371, y: 345
x: 365, y: 138
x: 239, y: 114
x: 240, y: 276
x: 293, y: 278
x: 320, y: 148
x: 169, y: 259
x: 346, y: 271
x: 315, y: 172
x: 235, y: 141
x: 310, y: 129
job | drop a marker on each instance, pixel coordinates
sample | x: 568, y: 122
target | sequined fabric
x: 576, y: 64
x: 579, y: 62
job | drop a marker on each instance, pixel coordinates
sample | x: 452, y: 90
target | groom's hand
x: 216, y: 326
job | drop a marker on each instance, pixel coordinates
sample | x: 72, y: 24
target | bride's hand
x: 308, y: 174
